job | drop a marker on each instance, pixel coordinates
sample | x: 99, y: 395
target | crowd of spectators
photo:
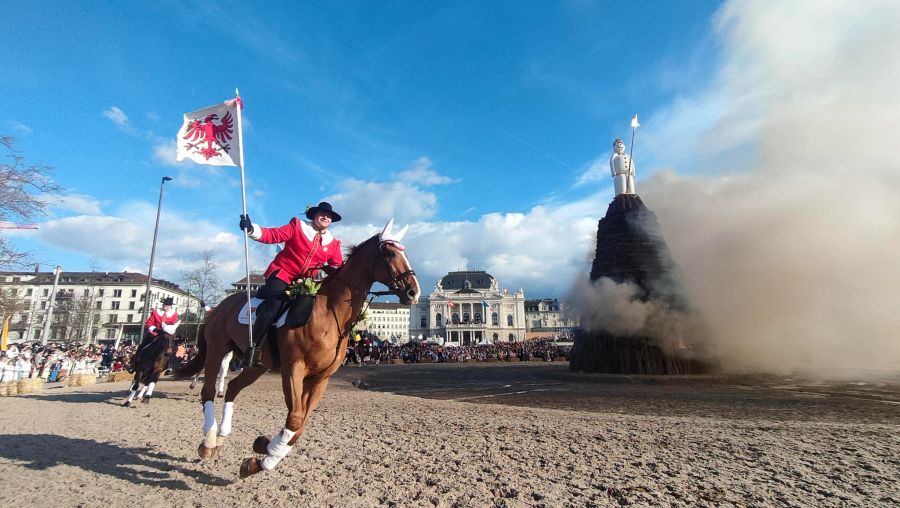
x: 54, y: 361
x: 370, y: 350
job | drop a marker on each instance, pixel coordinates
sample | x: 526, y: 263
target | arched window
x: 495, y: 319
x: 465, y: 317
x: 477, y: 318
x: 512, y: 337
x: 509, y: 320
x: 437, y: 320
x: 455, y: 318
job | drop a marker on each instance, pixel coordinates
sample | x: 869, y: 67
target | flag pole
x: 240, y: 107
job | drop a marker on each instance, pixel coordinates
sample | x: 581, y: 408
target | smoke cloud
x: 793, y: 264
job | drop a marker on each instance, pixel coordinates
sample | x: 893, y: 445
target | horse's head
x: 395, y: 272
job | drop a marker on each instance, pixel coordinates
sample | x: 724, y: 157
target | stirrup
x: 253, y: 356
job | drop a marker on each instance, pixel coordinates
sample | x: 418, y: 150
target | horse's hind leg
x: 207, y: 448
x: 243, y: 380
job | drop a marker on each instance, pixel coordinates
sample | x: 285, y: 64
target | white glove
x: 151, y: 329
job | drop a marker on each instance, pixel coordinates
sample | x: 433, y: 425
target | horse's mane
x: 353, y: 249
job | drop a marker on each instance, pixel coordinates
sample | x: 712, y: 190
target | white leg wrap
x: 209, y: 416
x: 150, y: 388
x: 141, y: 394
x: 210, y: 428
x: 131, y: 395
x: 227, y: 412
x: 278, y: 449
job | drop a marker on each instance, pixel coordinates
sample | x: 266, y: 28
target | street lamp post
x: 48, y: 317
x: 152, y: 255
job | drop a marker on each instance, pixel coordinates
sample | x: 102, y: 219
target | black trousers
x: 273, y: 292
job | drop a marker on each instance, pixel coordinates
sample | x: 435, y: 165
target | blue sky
x: 486, y: 125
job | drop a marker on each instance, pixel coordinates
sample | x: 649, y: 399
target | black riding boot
x: 265, y: 316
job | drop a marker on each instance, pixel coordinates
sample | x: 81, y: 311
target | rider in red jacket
x: 160, y: 320
x: 308, y: 246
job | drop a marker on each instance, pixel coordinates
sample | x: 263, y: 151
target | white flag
x: 210, y: 135
x: 634, y: 122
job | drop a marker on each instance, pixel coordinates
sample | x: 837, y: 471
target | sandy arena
x: 468, y: 435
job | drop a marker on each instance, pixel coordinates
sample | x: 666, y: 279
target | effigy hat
x: 167, y: 301
x: 324, y: 207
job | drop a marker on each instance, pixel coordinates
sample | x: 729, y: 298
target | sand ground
x: 484, y: 436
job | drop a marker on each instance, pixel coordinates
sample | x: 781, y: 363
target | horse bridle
x: 394, y: 284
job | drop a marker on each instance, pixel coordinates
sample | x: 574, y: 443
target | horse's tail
x: 197, y: 362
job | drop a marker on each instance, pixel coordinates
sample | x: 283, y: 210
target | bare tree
x: 24, y: 188
x: 203, y: 282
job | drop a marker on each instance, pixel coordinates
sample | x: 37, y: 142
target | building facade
x: 548, y: 318
x: 87, y: 306
x: 467, y: 308
x: 388, y: 321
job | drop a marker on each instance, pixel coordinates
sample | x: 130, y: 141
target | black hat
x: 167, y: 301
x: 324, y: 207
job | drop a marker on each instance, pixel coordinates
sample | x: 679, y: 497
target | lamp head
x: 167, y: 178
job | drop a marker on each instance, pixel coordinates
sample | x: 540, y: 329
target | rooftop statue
x: 622, y: 168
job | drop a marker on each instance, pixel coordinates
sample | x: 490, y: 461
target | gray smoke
x: 620, y: 309
x: 794, y: 262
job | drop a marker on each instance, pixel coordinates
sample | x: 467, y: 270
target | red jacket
x: 304, y: 249
x: 158, y: 318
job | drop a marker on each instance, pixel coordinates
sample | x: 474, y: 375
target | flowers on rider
x: 302, y: 287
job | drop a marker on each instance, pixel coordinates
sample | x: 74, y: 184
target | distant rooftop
x: 456, y: 281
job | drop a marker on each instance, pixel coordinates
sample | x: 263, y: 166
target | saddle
x: 294, y: 314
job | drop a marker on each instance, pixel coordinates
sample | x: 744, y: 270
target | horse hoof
x: 193, y: 385
x: 127, y: 403
x: 145, y: 400
x: 250, y: 466
x: 220, y: 394
x: 261, y: 445
x: 206, y: 453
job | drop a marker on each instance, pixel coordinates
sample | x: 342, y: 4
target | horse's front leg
x: 301, y: 398
x: 134, y: 388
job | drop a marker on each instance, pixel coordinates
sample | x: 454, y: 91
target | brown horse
x: 309, y: 355
x: 152, y: 363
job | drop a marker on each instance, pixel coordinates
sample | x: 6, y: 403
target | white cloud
x: 78, y: 203
x: 118, y: 117
x: 123, y: 241
x: 595, y: 171
x: 421, y: 173
x: 20, y: 127
x: 164, y: 153
x: 360, y: 200
x: 541, y: 251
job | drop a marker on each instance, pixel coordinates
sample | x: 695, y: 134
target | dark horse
x: 309, y: 355
x: 152, y: 362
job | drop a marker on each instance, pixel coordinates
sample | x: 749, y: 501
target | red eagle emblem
x: 206, y: 131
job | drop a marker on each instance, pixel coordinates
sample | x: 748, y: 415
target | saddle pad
x: 245, y: 318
